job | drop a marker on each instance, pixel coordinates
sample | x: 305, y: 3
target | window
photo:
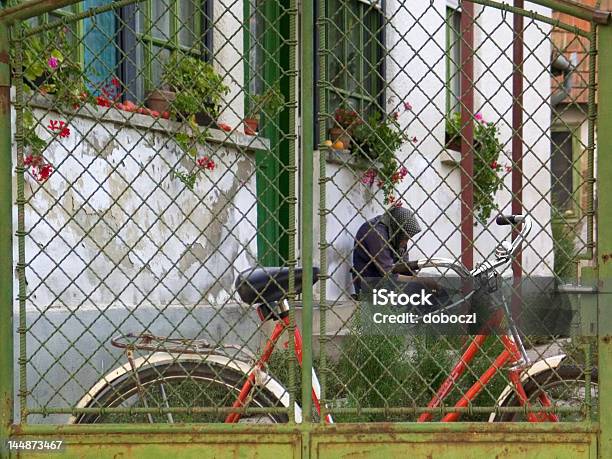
x: 152, y: 30
x: 356, y: 61
x: 453, y: 57
x: 135, y: 41
x: 562, y: 170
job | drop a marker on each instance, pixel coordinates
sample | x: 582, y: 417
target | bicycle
x: 190, y: 375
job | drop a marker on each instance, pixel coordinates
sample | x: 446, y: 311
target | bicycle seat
x: 267, y: 285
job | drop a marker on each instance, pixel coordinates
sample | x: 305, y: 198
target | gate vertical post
x: 6, y: 245
x: 306, y: 225
x: 604, y: 239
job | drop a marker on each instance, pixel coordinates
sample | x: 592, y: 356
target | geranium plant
x: 196, y: 84
x: 347, y: 118
x: 51, y: 70
x: 378, y: 139
x: 270, y: 103
x: 487, y: 148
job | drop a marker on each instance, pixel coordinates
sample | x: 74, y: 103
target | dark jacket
x: 373, y: 255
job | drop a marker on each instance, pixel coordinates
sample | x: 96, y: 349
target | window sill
x: 450, y: 157
x: 347, y: 159
x: 149, y: 123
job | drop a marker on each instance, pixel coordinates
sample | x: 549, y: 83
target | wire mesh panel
x: 436, y: 118
x: 155, y: 153
x: 158, y: 270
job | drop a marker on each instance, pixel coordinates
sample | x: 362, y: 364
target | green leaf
x: 56, y: 53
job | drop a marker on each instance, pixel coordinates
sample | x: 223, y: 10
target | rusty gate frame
x: 589, y: 439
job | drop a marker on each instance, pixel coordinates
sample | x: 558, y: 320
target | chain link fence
x: 160, y: 213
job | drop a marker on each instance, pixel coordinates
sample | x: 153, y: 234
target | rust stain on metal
x: 5, y: 102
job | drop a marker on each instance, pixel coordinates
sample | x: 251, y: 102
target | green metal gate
x: 155, y: 152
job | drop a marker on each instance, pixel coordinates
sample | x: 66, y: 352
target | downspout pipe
x: 567, y: 67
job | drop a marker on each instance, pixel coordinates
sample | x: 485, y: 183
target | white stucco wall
x: 416, y: 70
x: 119, y: 228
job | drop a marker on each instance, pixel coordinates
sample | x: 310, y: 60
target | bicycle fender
x: 539, y: 366
x: 162, y: 358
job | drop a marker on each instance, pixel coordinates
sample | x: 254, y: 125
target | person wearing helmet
x: 381, y: 243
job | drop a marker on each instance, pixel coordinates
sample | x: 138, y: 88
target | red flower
x: 390, y: 199
x: 396, y: 115
x: 414, y: 140
x: 403, y: 172
x: 407, y: 106
x: 103, y: 101
x: 206, y: 163
x: 44, y: 172
x: 115, y: 82
x: 61, y: 126
x: 165, y: 115
x: 225, y: 127
x: 494, y: 165
x: 33, y: 160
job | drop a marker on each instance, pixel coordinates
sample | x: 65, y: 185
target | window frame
x: 129, y: 39
x: 378, y: 51
x: 452, y: 50
x: 574, y: 210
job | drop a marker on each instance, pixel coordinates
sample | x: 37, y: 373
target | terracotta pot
x: 341, y: 134
x: 160, y: 100
x: 251, y: 125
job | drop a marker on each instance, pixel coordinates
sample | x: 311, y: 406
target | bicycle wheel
x: 179, y: 385
x: 565, y: 387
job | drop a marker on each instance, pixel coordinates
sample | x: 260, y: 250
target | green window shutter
x: 100, y: 53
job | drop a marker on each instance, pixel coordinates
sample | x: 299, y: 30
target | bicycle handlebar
x: 509, y: 219
x: 504, y: 257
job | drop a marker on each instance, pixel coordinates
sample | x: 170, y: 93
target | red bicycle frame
x: 278, y: 330
x: 509, y: 356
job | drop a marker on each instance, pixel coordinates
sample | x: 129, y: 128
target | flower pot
x: 204, y: 118
x: 251, y: 125
x: 160, y: 100
x: 453, y: 143
x: 342, y: 135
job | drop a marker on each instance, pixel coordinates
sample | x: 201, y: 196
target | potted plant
x: 346, y: 119
x: 377, y: 140
x: 487, y: 148
x: 192, y: 89
x: 270, y: 102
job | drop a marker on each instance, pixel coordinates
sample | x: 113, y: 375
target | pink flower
x: 368, y: 177
x: 479, y: 117
x: 414, y: 140
x: 403, y: 172
x: 508, y: 168
x: 407, y: 106
x: 53, y: 62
